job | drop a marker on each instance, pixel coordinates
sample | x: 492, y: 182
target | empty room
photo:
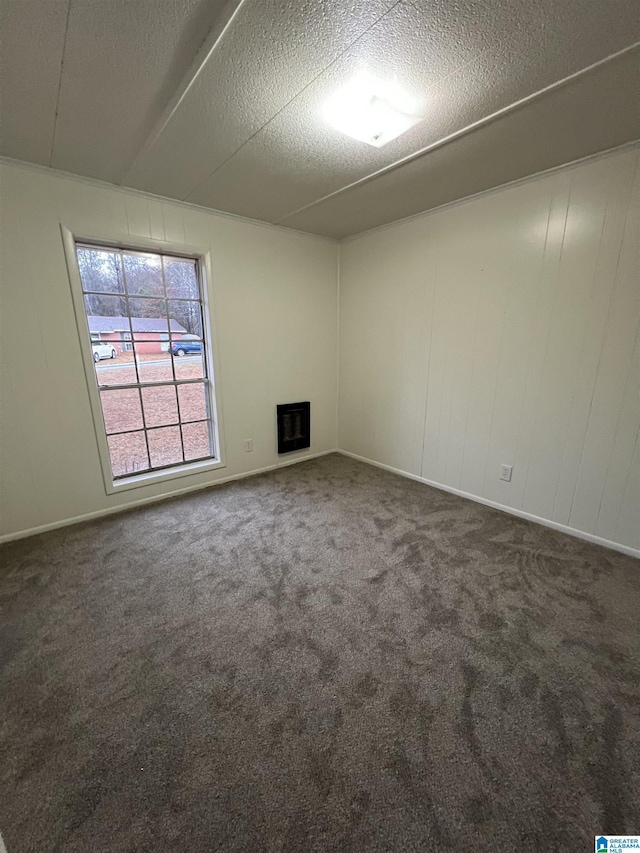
x: 320, y: 426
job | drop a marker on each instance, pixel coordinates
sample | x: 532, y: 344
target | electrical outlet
x: 248, y: 445
x: 505, y: 472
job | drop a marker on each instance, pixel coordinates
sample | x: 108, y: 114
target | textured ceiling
x: 220, y: 104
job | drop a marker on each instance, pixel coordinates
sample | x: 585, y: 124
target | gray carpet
x: 324, y: 658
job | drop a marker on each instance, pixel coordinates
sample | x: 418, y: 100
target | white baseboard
x: 563, y: 528
x: 89, y: 516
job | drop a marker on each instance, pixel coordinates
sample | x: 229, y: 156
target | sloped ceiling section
x: 221, y: 103
x: 83, y: 82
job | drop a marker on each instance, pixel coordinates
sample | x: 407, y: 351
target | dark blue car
x: 185, y: 346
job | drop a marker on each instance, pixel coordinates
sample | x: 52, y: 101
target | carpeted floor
x: 324, y: 658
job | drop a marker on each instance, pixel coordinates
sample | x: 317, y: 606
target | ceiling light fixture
x: 371, y: 110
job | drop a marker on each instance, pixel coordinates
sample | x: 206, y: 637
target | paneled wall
x: 275, y: 298
x: 504, y: 329
x: 500, y: 330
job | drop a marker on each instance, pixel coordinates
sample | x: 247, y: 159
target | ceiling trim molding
x: 189, y: 205
x: 105, y: 185
x: 64, y: 51
x: 572, y: 164
x: 292, y: 99
x: 465, y: 130
x: 213, y: 39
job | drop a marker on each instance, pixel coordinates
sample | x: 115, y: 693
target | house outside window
x: 156, y: 397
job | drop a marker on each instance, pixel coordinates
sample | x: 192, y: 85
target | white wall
x: 275, y: 301
x: 505, y: 330
x: 502, y: 329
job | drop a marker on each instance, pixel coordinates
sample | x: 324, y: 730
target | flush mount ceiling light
x: 371, y: 110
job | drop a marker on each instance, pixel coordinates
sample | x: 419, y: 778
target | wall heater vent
x: 294, y: 427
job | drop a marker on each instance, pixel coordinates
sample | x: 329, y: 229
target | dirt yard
x: 159, y: 413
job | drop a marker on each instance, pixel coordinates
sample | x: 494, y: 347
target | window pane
x: 196, y: 440
x: 111, y: 372
x: 188, y: 366
x: 100, y: 270
x: 148, y: 315
x: 165, y: 446
x: 160, y: 405
x: 106, y: 315
x: 187, y: 316
x: 128, y: 453
x: 152, y: 366
x: 121, y: 410
x: 144, y: 274
x: 155, y: 338
x: 193, y: 402
x: 151, y: 344
x: 180, y: 278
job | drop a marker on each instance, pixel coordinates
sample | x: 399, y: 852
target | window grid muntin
x: 138, y: 388
x: 203, y: 380
x: 159, y: 426
x: 162, y: 467
x: 195, y: 381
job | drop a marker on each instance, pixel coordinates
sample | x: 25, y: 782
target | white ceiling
x: 221, y: 104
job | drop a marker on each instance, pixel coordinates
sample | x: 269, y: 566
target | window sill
x: 150, y: 478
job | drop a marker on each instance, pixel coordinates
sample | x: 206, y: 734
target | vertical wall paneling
x: 17, y: 462
x: 499, y: 330
x: 37, y: 346
x: 531, y: 296
x: 625, y: 447
x: 156, y: 220
x: 614, y: 365
x: 138, y: 224
x: 603, y: 251
x: 172, y: 216
x: 523, y: 285
x: 628, y: 519
x: 118, y: 211
x: 266, y: 282
x: 550, y: 234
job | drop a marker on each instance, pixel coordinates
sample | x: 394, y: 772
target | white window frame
x: 202, y: 256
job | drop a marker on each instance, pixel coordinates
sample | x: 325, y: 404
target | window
x: 153, y: 367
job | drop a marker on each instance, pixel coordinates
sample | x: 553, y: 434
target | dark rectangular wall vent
x: 294, y: 426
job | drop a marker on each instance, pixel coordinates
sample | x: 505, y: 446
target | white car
x: 103, y: 351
